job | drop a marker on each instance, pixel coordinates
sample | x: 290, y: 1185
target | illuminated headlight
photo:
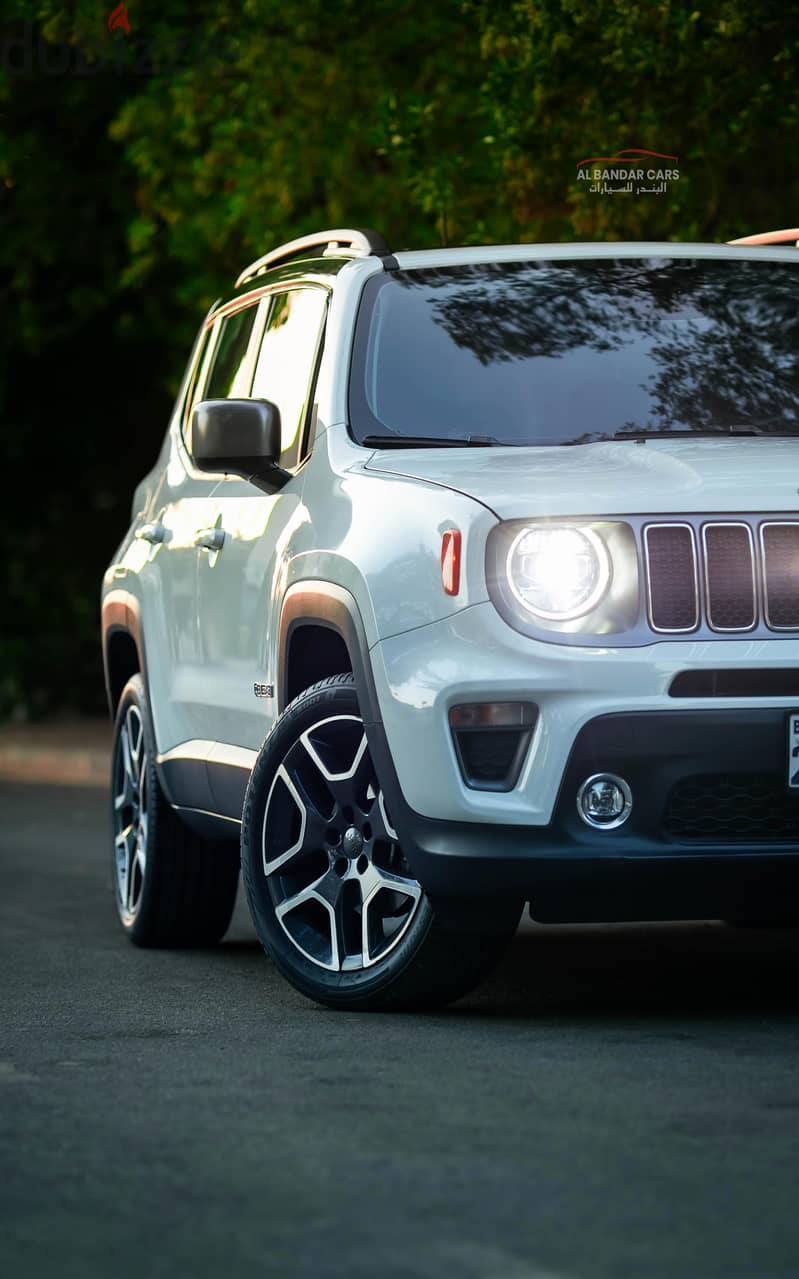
x: 556, y: 572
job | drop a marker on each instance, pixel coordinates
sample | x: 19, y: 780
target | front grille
x: 730, y: 577
x: 731, y: 574
x: 781, y: 557
x: 732, y: 808
x: 671, y: 568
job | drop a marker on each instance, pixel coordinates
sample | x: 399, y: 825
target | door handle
x: 154, y: 533
x: 211, y: 539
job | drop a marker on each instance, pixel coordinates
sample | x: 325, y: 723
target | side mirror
x: 241, y: 437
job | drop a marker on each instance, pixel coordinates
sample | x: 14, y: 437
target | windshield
x: 566, y: 352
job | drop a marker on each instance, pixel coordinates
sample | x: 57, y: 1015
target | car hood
x: 613, y: 478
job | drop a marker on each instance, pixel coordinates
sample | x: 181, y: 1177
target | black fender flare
x: 326, y: 604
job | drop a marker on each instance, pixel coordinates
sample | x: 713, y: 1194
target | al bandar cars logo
x: 633, y: 171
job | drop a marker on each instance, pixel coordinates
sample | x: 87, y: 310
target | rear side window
x: 286, y: 364
x: 229, y: 376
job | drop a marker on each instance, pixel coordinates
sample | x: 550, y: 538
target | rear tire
x: 333, y: 900
x: 171, y: 887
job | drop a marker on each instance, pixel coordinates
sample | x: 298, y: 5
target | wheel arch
x: 324, y: 604
x: 123, y: 650
x: 308, y: 610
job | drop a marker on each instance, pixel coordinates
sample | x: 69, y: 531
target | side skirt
x: 205, y: 782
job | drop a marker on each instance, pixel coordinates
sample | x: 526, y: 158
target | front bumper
x: 669, y: 861
x: 475, y: 656
x: 725, y: 846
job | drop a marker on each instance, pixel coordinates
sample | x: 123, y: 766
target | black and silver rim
x: 130, y: 814
x: 341, y: 889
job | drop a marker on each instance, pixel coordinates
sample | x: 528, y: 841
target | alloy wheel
x: 341, y: 889
x: 130, y: 814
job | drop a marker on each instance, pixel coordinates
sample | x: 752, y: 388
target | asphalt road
x: 613, y: 1102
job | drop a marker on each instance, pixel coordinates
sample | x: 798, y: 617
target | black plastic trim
x: 762, y: 682
x: 185, y: 780
x: 325, y: 604
x: 506, y: 783
x: 241, y: 437
x: 228, y: 784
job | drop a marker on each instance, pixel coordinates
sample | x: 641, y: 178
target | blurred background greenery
x: 140, y: 168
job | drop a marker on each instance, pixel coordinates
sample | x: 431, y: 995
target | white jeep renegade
x: 464, y: 578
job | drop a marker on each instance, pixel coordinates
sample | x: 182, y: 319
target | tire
x: 319, y: 853
x: 171, y: 887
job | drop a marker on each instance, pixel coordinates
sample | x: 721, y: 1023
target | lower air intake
x: 732, y: 808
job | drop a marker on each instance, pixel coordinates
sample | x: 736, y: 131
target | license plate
x: 793, y: 751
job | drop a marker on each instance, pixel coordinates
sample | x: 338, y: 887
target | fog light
x: 604, y: 801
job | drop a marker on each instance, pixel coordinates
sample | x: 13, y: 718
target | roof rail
x: 352, y: 241
x: 770, y: 237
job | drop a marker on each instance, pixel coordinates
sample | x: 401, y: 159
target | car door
x: 163, y: 554
x: 237, y: 581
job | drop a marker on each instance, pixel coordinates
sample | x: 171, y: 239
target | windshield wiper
x: 429, y: 441
x: 687, y: 435
x: 735, y: 430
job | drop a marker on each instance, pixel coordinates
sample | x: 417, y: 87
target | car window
x: 284, y: 372
x: 230, y: 376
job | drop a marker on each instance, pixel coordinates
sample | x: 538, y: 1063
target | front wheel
x: 333, y: 899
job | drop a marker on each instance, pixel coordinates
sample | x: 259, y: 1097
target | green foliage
x: 716, y: 86
x: 138, y: 171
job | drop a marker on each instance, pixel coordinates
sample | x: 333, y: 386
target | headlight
x: 558, y: 573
